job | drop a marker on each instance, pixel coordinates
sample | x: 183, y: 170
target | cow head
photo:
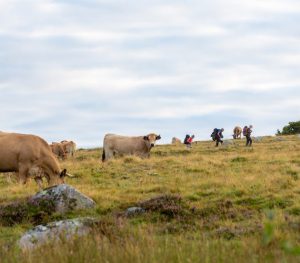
x: 62, y: 175
x: 151, y: 139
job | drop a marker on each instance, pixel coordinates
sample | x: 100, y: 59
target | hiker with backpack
x: 188, y: 140
x: 248, y: 136
x: 217, y: 136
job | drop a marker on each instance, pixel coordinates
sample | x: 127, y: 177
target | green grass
x: 237, y: 204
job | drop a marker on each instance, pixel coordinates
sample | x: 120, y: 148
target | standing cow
x: 58, y: 149
x: 237, y: 132
x: 69, y: 147
x: 29, y: 156
x: 176, y: 140
x: 124, y: 145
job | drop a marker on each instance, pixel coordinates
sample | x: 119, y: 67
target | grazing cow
x: 124, y: 145
x: 29, y: 156
x: 58, y: 149
x: 176, y: 140
x: 69, y: 147
x: 237, y: 132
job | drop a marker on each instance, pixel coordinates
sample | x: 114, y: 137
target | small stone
x: 134, y: 211
x: 258, y: 139
x: 227, y: 142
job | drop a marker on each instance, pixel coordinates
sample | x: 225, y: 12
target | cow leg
x: 23, y: 173
x: 109, y: 155
x: 39, y: 182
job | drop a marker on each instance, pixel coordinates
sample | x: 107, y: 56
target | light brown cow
x: 58, y: 149
x: 176, y: 140
x: 237, y: 132
x: 29, y: 156
x: 69, y: 147
x: 124, y: 145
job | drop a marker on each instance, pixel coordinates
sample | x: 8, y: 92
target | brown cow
x: 176, y: 140
x: 124, y: 145
x: 237, y: 132
x: 58, y: 149
x: 69, y: 147
x: 29, y: 156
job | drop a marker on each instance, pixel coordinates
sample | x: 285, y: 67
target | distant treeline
x: 291, y: 128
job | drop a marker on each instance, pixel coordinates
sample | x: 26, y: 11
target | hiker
x: 248, y: 136
x: 189, y: 141
x: 219, y: 136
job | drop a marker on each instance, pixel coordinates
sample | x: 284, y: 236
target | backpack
x: 245, y: 130
x: 214, y: 133
x: 186, y: 139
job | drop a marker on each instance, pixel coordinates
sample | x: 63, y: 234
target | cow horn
x: 70, y: 175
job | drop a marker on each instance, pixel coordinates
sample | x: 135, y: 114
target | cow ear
x: 158, y: 137
x: 146, y: 138
x: 63, y: 173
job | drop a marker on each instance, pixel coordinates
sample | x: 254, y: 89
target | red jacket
x: 189, y: 140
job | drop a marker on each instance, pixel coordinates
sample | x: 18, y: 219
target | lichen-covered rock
x: 55, y: 231
x: 65, y: 198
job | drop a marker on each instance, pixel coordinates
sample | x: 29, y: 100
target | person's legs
x: 250, y: 141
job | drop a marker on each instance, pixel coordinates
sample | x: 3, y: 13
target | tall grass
x: 225, y: 192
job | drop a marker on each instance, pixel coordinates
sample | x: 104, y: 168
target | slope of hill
x: 226, y: 204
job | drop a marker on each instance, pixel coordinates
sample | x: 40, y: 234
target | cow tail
x: 103, y: 155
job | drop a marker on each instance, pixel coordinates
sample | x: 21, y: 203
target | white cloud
x: 68, y: 67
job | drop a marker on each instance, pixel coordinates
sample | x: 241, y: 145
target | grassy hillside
x: 226, y: 204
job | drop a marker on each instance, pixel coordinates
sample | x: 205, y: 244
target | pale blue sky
x: 80, y: 69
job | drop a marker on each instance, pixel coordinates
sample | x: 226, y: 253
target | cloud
x: 78, y: 69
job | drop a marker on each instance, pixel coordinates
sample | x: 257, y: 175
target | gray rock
x: 227, y: 143
x: 65, y: 198
x: 258, y: 139
x: 134, y: 211
x: 279, y: 139
x: 55, y: 231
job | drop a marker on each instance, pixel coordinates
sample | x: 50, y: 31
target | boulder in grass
x: 64, y: 198
x: 56, y: 231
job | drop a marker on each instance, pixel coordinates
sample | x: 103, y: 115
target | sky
x: 78, y: 69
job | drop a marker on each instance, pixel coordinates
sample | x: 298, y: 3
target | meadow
x: 206, y: 204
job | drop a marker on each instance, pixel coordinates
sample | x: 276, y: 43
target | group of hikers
x: 217, y: 136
